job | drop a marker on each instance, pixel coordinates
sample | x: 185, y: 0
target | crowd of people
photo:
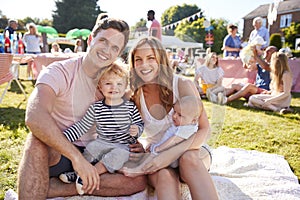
x: 66, y: 155
x: 273, y: 83
x: 31, y: 43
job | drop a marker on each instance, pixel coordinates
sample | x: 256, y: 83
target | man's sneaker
x: 285, y: 111
x: 68, y: 177
x: 79, y: 185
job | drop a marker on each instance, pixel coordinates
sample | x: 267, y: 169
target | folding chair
x: 8, y: 73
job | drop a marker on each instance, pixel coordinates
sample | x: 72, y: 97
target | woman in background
x: 279, y: 97
x: 32, y: 41
x: 232, y: 42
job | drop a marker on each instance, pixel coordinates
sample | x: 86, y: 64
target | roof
x: 286, y: 6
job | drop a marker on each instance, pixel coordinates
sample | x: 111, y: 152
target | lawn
x: 233, y: 125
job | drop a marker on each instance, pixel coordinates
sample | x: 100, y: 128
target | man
x: 262, y: 77
x: 11, y: 28
x: 261, y: 31
x: 63, y: 92
x: 155, y: 28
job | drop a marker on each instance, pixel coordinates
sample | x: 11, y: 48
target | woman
x: 156, y: 89
x: 32, y: 41
x: 232, y: 42
x: 279, y: 97
x: 211, y: 77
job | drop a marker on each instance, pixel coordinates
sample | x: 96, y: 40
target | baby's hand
x: 133, y: 130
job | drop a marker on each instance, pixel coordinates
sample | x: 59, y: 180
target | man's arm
x: 43, y: 126
x: 260, y: 61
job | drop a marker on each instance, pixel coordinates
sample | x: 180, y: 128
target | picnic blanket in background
x: 238, y: 174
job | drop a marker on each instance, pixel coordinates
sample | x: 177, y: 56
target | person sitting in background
x: 78, y: 46
x: 55, y: 48
x: 232, y: 42
x: 262, y: 81
x: 278, y: 99
x: 260, y: 30
x: 32, y: 41
x: 211, y: 77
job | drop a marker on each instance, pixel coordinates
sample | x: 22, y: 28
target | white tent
x: 172, y: 42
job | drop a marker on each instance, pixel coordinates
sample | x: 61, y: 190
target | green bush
x: 275, y: 40
x: 296, y: 53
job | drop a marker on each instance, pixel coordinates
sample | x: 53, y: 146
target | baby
x: 185, y: 123
x: 246, y: 53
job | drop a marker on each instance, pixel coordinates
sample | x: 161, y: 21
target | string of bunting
x: 191, y: 18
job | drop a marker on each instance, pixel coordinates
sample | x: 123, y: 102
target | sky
x: 133, y: 10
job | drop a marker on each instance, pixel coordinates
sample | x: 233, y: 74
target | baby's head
x: 187, y: 111
x: 113, y: 80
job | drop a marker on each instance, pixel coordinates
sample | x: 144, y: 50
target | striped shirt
x: 112, y: 122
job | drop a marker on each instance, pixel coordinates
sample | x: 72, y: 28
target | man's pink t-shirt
x: 74, y: 90
x: 155, y: 26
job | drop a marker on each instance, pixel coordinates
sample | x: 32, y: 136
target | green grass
x: 233, y: 125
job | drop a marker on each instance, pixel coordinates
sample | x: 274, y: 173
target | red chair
x: 8, y: 73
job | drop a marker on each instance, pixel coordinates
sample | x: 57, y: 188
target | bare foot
x: 132, y: 172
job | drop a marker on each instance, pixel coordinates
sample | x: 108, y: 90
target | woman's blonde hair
x: 209, y: 56
x: 279, y: 65
x: 165, y: 72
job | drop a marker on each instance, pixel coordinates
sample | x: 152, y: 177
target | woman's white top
x: 32, y: 43
x: 154, y: 128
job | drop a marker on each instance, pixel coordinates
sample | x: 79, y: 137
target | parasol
x: 50, y: 31
x: 76, y: 33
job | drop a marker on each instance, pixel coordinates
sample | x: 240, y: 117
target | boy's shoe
x: 79, y: 185
x: 68, y: 177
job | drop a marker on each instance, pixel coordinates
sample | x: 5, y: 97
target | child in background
x: 118, y: 124
x: 185, y: 123
x: 78, y: 46
x: 211, y: 76
x: 55, y: 48
x: 279, y: 97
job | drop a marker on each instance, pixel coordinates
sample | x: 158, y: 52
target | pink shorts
x: 259, y: 91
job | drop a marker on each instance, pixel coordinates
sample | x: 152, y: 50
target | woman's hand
x: 157, y: 163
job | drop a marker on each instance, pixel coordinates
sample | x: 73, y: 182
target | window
x: 264, y: 22
x: 285, y: 20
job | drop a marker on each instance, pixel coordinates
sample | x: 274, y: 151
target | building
x: 288, y: 11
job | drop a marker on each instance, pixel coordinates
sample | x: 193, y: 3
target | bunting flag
x: 272, y: 13
x: 186, y: 19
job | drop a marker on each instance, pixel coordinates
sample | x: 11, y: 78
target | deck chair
x: 8, y: 73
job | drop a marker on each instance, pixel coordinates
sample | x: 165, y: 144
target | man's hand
x: 89, y: 175
x: 137, y: 151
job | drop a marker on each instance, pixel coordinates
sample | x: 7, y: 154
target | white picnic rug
x: 238, y: 174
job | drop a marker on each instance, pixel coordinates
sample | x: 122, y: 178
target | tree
x: 177, y: 13
x: 291, y: 33
x: 275, y: 40
x: 75, y: 14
